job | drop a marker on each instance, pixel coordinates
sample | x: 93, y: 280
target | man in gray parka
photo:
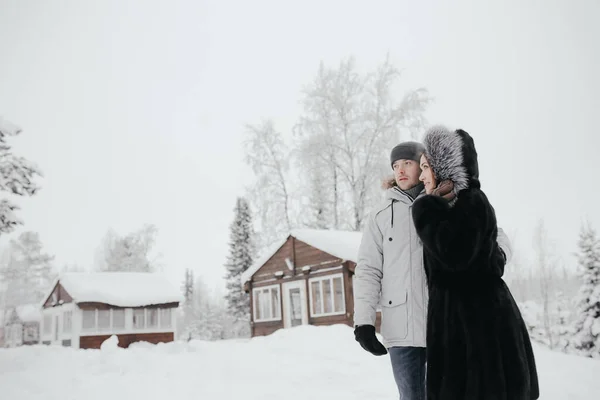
x: 390, y: 274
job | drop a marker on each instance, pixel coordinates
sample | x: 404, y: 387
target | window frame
x: 321, y: 279
x: 270, y: 288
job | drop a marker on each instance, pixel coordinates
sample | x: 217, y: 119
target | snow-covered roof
x: 121, y: 289
x: 341, y: 244
x: 29, y: 313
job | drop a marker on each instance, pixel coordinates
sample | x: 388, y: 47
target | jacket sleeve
x: 455, y: 235
x: 368, y: 274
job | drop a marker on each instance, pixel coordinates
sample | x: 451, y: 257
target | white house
x: 85, y: 308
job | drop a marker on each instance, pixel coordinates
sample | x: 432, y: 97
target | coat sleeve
x: 456, y: 235
x: 368, y: 274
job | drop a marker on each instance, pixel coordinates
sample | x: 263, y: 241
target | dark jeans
x: 408, y: 364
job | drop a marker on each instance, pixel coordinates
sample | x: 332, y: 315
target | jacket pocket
x: 394, y: 315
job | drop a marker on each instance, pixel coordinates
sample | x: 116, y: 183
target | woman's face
x: 427, y: 176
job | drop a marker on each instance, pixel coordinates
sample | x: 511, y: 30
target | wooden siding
x: 330, y: 320
x: 266, y: 328
x: 275, y: 263
x: 349, y: 292
x: 301, y: 255
x: 94, y: 342
x: 61, y: 294
x: 307, y: 255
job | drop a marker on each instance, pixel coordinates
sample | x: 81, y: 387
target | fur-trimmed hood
x: 452, y: 155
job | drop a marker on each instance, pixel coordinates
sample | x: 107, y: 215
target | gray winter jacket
x: 390, y: 273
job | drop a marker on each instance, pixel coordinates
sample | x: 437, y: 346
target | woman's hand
x: 445, y: 190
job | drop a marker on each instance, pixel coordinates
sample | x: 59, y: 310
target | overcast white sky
x: 134, y: 110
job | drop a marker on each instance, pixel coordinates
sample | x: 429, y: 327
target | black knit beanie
x: 407, y: 151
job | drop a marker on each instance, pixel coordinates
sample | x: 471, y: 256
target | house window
x: 152, y: 318
x: 327, y: 296
x: 47, y: 324
x: 165, y: 317
x: 67, y: 321
x: 66, y: 342
x: 267, y: 306
x: 88, y: 322
x: 103, y: 320
x: 118, y: 319
x: 139, y: 318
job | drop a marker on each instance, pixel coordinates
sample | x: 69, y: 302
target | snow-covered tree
x: 545, y: 268
x: 352, y: 121
x: 130, y: 253
x: 561, y: 320
x: 72, y: 268
x: 16, y: 177
x: 268, y: 155
x: 205, y: 315
x: 190, y: 311
x: 188, y: 287
x: 28, y: 270
x: 319, y: 180
x: 240, y: 258
x: 586, y: 332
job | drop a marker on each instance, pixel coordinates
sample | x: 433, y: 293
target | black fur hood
x: 452, y: 155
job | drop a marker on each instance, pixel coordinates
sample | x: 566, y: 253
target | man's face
x: 406, y: 173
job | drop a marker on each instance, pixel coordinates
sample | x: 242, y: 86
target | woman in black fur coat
x: 477, y: 344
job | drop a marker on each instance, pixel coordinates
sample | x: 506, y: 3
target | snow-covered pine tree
x: 16, y: 177
x: 561, y: 318
x: 240, y: 258
x: 28, y: 270
x: 586, y: 332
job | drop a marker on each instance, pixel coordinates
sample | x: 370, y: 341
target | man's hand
x: 445, y: 190
x: 365, y: 335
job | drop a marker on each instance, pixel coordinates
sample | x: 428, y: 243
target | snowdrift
x: 302, y: 363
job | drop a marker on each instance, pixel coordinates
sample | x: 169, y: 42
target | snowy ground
x: 301, y: 363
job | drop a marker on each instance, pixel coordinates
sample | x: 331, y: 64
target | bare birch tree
x: 351, y: 121
x: 268, y: 155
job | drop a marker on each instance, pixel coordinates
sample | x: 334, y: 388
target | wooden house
x: 22, y: 325
x: 84, y: 309
x: 306, y: 278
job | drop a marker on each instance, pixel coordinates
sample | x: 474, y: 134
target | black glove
x: 365, y: 335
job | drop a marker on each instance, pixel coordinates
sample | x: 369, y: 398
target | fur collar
x: 444, y: 151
